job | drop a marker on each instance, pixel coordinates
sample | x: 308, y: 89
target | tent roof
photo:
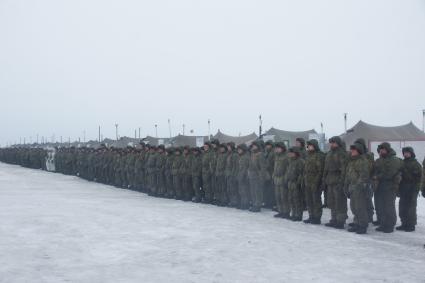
x: 223, y: 138
x: 407, y: 132
x: 181, y: 140
x: 289, y: 135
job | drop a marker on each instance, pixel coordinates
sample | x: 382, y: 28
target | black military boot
x: 286, y: 216
x: 353, y: 228
x: 255, y: 209
x: 316, y: 221
x: 352, y: 224
x: 330, y: 224
x: 402, y: 227
x: 279, y: 215
x: 376, y: 223
x: 339, y: 225
x: 307, y: 221
x: 409, y: 228
x: 388, y: 229
x: 361, y: 230
x: 380, y: 229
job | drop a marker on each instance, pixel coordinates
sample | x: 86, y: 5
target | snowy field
x: 56, y: 228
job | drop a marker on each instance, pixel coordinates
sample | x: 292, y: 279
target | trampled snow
x: 56, y: 228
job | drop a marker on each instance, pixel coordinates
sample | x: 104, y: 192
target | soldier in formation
x: 256, y: 176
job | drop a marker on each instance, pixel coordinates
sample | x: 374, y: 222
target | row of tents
x: 398, y: 136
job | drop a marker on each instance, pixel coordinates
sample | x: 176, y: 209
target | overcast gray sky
x: 69, y: 66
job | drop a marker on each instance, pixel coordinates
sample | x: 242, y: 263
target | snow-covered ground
x: 56, y: 228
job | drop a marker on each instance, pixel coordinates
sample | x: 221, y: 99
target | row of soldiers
x: 263, y: 174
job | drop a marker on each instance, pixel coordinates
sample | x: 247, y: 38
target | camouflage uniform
x: 231, y: 176
x: 294, y: 177
x: 152, y: 171
x: 333, y: 178
x: 313, y: 172
x: 256, y: 173
x: 242, y: 176
x: 386, y: 174
x: 411, y: 175
x: 207, y: 173
x: 160, y: 169
x: 220, y: 194
x: 196, y: 172
x: 281, y: 162
x: 175, y: 171
x: 168, y: 174
x: 186, y: 175
x: 357, y: 177
x: 268, y: 191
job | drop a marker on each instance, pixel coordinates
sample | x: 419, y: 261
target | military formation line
x: 265, y: 174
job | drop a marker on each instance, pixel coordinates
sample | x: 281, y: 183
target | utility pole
x: 135, y: 133
x: 169, y: 127
x: 84, y: 136
x: 423, y: 120
x: 345, y: 122
x: 261, y: 126
x: 321, y: 128
x: 156, y: 130
x: 183, y: 128
x: 139, y: 133
x: 209, y: 129
x: 116, y: 131
x: 99, y: 134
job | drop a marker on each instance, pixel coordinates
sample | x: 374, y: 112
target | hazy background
x: 69, y: 66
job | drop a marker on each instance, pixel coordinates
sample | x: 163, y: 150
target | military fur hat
x: 358, y: 147
x: 216, y: 142
x: 336, y: 140
x: 295, y: 150
x: 384, y: 145
x: 162, y: 147
x: 409, y: 149
x: 231, y: 145
x: 269, y: 142
x: 243, y: 147
x: 301, y: 141
x: 281, y: 145
x: 314, y: 143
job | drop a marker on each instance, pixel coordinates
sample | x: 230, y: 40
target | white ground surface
x: 56, y: 228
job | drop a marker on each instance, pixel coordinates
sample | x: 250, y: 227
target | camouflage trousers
x: 169, y: 186
x: 359, y: 206
x: 295, y: 200
x: 152, y: 182
x: 232, y: 191
x: 221, y: 190
x: 337, y: 202
x: 161, y: 185
x: 407, y: 205
x: 187, y: 187
x: 243, y: 189
x: 385, y: 205
x: 207, y: 187
x: 313, y: 198
x: 282, y: 199
x: 177, y: 185
x: 269, y: 194
x: 256, y: 192
x: 196, y: 185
